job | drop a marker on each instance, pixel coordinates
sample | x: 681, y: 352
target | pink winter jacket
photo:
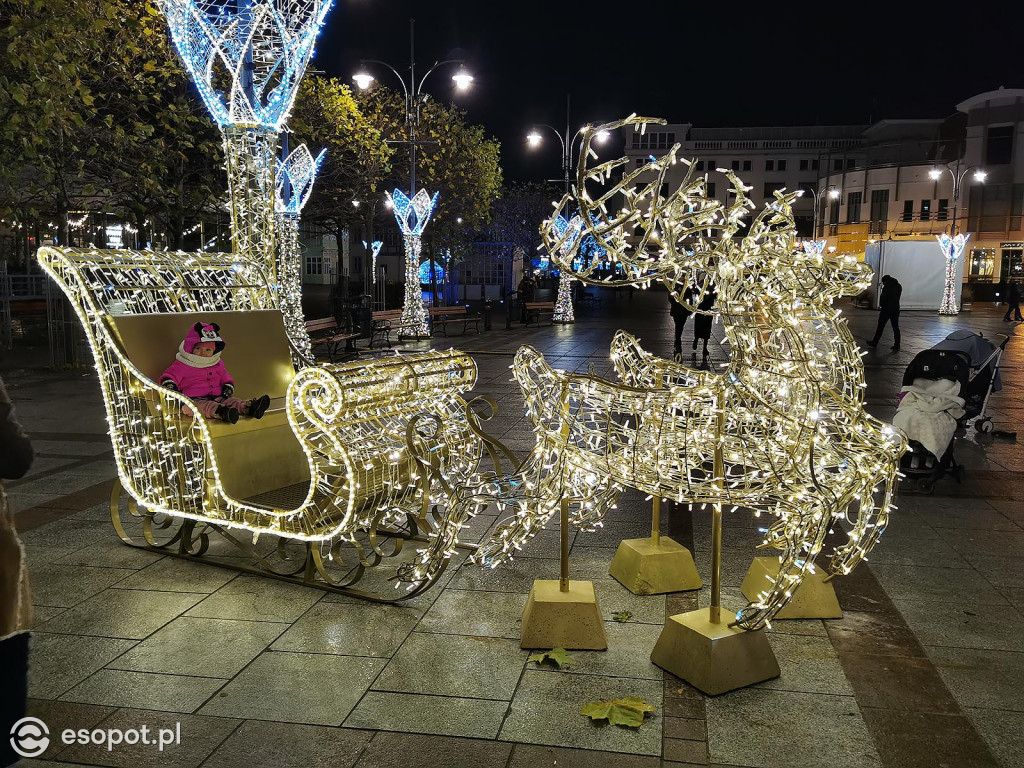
x: 198, y: 382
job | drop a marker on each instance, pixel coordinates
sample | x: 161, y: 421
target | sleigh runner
x: 328, y: 477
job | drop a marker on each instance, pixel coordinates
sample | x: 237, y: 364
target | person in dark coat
x: 1013, y: 301
x: 15, y: 601
x: 527, y: 292
x: 889, y: 306
x: 680, y: 315
x: 702, y: 322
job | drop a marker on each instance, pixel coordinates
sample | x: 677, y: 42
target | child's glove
x: 169, y: 383
x: 227, y: 390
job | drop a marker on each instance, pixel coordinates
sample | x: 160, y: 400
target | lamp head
x: 363, y: 79
x: 980, y: 175
x: 534, y: 139
x: 601, y: 137
x: 935, y: 173
x: 833, y: 194
x: 462, y: 79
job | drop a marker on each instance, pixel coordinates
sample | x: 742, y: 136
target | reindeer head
x: 686, y: 237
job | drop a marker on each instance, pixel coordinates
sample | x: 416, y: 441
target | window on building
x: 803, y: 165
x: 735, y: 165
x: 850, y: 163
x: 746, y: 165
x: 908, y: 210
x: 671, y: 138
x: 769, y: 165
x: 879, y: 211
x: 983, y: 264
x: 664, y: 189
x: 771, y: 187
x: 814, y: 165
x: 853, y: 201
x: 833, y: 216
x: 943, y: 211
x: 700, y: 165
x: 781, y: 165
x: 711, y: 189
x: 837, y: 164
x: 999, y: 145
x: 639, y: 162
x: 712, y: 166
x: 926, y: 210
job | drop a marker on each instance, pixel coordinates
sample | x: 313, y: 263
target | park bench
x: 534, y: 310
x: 326, y: 333
x: 440, y: 317
x: 592, y: 299
x: 319, y: 484
x: 383, y: 322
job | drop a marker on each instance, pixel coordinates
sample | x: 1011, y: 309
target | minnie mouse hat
x: 203, y: 333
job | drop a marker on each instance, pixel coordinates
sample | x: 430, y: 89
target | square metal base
x: 556, y: 619
x: 712, y: 657
x: 646, y: 568
x: 813, y: 599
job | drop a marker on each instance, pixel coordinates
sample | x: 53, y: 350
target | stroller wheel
x: 984, y: 425
x: 926, y: 486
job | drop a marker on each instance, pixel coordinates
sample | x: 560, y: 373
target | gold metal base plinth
x: 813, y: 599
x: 712, y: 657
x: 646, y: 568
x: 556, y: 619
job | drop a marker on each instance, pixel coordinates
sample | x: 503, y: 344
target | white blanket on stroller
x: 928, y: 413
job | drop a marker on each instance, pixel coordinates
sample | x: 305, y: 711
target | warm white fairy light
x: 351, y: 419
x: 787, y: 411
x: 952, y: 250
x: 412, y: 216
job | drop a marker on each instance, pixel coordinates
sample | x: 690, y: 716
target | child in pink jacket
x: 198, y: 373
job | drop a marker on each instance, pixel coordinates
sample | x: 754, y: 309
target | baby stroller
x: 943, y: 388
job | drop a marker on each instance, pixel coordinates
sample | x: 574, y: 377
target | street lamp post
x: 816, y: 195
x: 563, y: 303
x: 412, y: 313
x: 958, y: 176
x: 953, y: 245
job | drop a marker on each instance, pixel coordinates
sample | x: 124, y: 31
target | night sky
x: 709, y: 63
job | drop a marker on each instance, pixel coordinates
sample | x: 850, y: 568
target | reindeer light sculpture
x: 781, y: 430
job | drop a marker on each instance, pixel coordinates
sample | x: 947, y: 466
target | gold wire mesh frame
x: 786, y: 416
x: 362, y: 427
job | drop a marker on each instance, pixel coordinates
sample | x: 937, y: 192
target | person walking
x: 1013, y: 302
x: 889, y: 311
x: 15, y: 600
x: 680, y: 314
x: 527, y: 292
x: 702, y: 322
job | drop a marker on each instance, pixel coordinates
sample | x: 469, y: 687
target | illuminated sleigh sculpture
x: 330, y: 478
x: 782, y: 430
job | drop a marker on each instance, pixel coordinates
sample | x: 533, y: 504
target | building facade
x: 864, y: 183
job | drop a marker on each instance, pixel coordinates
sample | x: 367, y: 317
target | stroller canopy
x: 976, y: 347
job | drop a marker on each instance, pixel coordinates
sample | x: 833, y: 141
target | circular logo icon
x: 30, y: 737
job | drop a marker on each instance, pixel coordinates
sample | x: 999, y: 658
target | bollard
x: 487, y: 315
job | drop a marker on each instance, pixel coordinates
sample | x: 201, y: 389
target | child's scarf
x: 195, y: 360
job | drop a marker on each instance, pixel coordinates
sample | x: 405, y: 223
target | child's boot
x: 258, y: 406
x: 228, y: 414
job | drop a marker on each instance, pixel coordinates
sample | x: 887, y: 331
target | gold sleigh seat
x: 254, y: 457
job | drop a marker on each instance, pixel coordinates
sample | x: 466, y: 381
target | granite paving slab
x: 546, y: 710
x: 60, y: 662
x: 127, y: 613
x: 317, y: 689
x: 143, y: 690
x: 289, y: 745
x: 354, y: 629
x: 417, y: 713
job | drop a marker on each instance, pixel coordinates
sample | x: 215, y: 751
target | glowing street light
x: 363, y: 79
x: 462, y: 79
x: 833, y: 194
x: 958, y: 176
x: 534, y: 139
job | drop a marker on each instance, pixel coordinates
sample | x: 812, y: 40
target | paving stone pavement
x: 924, y: 669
